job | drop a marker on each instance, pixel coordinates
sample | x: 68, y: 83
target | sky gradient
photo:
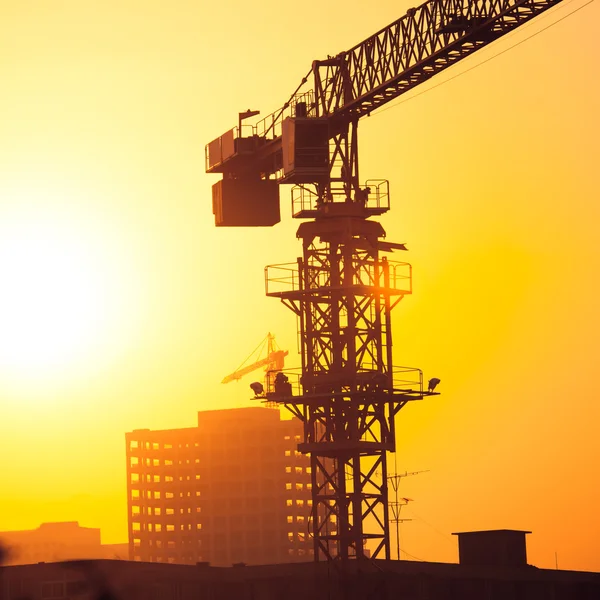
x: 123, y: 306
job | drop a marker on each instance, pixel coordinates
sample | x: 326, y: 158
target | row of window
x: 158, y: 527
x: 210, y: 461
x: 158, y: 495
x: 213, y: 442
x: 156, y: 478
x: 157, y: 511
x: 298, y: 486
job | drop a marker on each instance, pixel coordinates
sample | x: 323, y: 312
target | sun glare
x: 53, y: 303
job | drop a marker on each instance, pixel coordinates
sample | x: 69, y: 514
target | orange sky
x: 123, y: 307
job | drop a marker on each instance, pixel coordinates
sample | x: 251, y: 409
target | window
x: 298, y: 470
x: 290, y: 519
x: 299, y: 487
x: 288, y: 486
x: 288, y: 469
x: 157, y: 527
x: 134, y: 461
x: 288, y: 452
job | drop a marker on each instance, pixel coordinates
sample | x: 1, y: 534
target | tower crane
x: 273, y: 362
x: 343, y: 287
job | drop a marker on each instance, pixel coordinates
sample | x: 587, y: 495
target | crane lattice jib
x: 401, y: 56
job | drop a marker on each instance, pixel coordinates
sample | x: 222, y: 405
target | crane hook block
x: 246, y: 202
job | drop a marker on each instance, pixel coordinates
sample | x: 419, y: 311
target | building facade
x: 234, y: 489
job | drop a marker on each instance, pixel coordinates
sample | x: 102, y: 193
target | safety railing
x: 378, y: 194
x: 281, y: 278
x: 283, y: 384
x: 285, y: 278
x: 288, y: 382
x: 407, y: 379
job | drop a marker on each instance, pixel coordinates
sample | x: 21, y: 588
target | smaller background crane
x: 268, y: 355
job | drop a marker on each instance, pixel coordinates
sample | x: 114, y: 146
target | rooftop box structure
x: 499, y: 547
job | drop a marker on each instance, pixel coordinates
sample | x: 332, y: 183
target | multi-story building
x: 233, y: 489
x: 52, y: 542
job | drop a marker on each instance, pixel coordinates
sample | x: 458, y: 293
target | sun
x: 54, y: 296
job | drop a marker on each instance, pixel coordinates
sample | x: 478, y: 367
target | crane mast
x: 344, y: 286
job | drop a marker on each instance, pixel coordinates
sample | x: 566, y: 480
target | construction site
x: 306, y: 475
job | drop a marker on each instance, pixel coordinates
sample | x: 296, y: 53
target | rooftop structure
x: 499, y: 547
x: 57, y: 542
x: 233, y: 489
x: 92, y: 580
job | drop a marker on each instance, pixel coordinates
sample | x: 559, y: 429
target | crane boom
x: 274, y: 360
x: 257, y: 365
x: 425, y: 41
x: 354, y: 83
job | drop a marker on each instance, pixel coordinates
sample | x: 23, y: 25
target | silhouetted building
x: 499, y: 547
x: 56, y: 542
x: 368, y: 579
x: 233, y: 489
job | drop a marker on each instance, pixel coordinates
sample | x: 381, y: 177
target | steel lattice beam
x: 346, y: 396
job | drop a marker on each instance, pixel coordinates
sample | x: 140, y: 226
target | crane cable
x: 484, y: 61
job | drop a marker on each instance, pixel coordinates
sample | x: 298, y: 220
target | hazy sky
x: 122, y: 306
